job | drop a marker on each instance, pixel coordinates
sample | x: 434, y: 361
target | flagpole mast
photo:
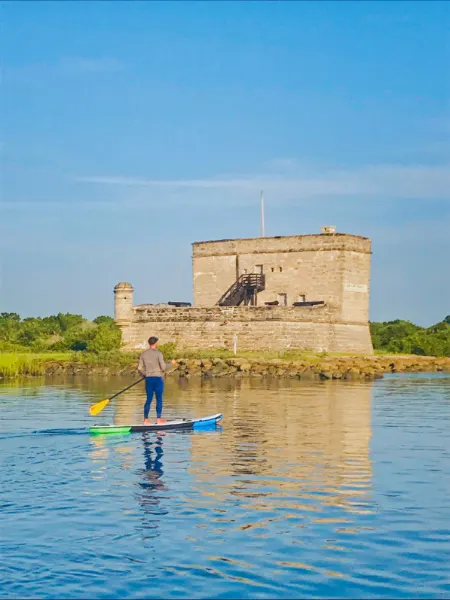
x: 262, y: 213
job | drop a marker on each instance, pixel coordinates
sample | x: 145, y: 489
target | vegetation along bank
x: 71, y: 345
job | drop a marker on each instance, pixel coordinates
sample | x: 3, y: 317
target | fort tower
x: 306, y: 292
x: 123, y: 303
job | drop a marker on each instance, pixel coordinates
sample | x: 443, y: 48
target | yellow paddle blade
x: 97, y: 408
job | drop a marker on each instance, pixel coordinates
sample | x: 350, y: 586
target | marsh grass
x: 251, y: 355
x: 14, y: 364
x: 113, y: 358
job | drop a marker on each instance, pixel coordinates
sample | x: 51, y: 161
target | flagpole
x: 262, y: 213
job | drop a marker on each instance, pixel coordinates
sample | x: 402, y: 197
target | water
x: 307, y: 490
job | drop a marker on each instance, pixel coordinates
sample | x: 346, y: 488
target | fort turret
x: 123, y: 303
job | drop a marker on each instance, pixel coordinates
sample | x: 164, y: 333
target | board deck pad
x: 173, y: 424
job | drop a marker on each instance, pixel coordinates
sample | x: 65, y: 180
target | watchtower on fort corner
x: 303, y: 292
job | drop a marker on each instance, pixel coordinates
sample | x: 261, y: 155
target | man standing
x: 152, y: 367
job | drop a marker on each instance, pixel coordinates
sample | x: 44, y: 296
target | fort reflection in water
x: 294, y: 439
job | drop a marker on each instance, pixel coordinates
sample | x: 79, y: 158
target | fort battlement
x: 303, y: 292
x: 290, y: 243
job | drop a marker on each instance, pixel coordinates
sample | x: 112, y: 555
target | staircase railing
x: 243, y: 290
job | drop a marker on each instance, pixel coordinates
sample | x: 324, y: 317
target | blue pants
x: 154, y: 385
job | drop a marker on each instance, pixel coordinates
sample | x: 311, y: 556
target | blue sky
x: 131, y: 129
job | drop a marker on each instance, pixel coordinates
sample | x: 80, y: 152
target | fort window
x: 282, y: 299
x: 280, y: 269
x: 272, y: 269
x: 259, y: 269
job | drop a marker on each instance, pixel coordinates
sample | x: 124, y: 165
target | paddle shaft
x: 127, y: 388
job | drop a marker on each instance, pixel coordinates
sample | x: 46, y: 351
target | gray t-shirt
x: 151, y: 363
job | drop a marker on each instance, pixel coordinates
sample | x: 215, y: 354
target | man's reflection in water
x: 151, y: 483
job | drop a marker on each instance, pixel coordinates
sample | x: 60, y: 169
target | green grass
x: 113, y: 358
x: 13, y: 364
x: 255, y: 355
x: 387, y: 353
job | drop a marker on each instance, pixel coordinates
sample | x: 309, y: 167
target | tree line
x: 63, y: 332
x: 58, y: 333
x: 403, y: 337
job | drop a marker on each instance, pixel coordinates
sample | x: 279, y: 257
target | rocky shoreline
x: 344, y: 368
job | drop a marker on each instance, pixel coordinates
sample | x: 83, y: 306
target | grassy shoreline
x: 220, y: 363
x: 36, y: 346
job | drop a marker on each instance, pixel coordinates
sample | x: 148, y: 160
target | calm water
x: 306, y: 490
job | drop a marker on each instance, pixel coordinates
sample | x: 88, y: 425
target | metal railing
x: 244, y: 290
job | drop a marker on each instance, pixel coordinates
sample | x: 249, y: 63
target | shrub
x: 169, y: 350
x: 406, y: 338
x: 102, y: 319
x: 106, y: 338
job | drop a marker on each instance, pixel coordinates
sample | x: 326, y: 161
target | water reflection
x: 304, y: 437
x: 283, y: 502
x: 305, y: 445
x: 292, y: 439
x: 151, y: 483
x: 153, y: 455
x: 297, y: 441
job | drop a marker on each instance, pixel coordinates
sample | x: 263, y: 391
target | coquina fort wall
x: 299, y: 292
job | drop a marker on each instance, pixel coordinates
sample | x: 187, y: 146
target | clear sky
x: 131, y: 129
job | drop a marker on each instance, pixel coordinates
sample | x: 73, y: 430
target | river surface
x: 333, y: 489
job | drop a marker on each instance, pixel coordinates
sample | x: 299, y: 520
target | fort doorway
x: 282, y: 299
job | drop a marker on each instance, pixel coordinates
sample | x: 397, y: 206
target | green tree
x: 29, y: 332
x: 67, y: 320
x: 104, y: 319
x: 105, y: 339
x: 406, y: 338
x: 51, y: 325
x: 77, y: 338
x: 6, y: 316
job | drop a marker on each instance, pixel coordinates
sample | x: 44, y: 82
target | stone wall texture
x: 256, y: 328
x: 333, y: 268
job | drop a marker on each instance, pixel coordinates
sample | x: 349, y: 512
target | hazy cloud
x: 376, y: 181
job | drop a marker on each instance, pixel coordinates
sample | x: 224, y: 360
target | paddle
x: 97, y: 408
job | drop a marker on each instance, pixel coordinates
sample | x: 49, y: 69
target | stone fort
x: 308, y: 292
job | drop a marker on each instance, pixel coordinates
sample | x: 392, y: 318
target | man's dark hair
x: 152, y: 340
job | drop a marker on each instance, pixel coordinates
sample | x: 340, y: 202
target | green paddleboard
x: 101, y: 429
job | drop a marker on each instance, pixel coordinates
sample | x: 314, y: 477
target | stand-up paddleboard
x: 174, y: 424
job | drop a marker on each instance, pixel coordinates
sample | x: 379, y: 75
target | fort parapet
x: 299, y: 292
